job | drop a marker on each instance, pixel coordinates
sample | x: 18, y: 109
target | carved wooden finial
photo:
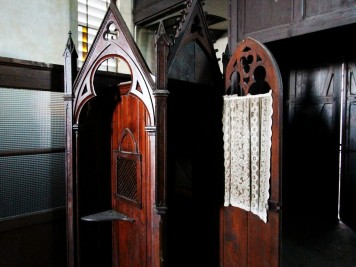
x: 70, y: 47
x: 161, y: 35
x: 70, y: 65
x: 162, y: 49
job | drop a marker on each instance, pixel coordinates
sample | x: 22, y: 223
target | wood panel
x: 270, y: 14
x: 274, y: 20
x: 319, y: 7
x: 15, y: 73
x: 30, y: 75
x: 234, y: 236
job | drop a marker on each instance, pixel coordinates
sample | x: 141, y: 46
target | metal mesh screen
x: 127, y: 178
x: 31, y: 126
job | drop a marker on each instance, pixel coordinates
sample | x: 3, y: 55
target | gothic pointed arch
x: 250, y: 73
x: 114, y: 40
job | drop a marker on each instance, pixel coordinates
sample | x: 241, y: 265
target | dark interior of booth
x: 94, y: 185
x: 195, y: 159
x: 194, y: 176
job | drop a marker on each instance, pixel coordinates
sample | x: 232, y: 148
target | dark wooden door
x: 310, y: 184
x: 246, y: 240
x: 321, y: 102
x: 130, y: 175
x: 318, y: 163
x: 348, y: 173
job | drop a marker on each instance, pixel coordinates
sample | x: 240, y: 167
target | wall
x: 37, y: 31
x: 125, y: 8
x: 220, y: 45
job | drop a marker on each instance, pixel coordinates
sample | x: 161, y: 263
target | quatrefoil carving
x: 253, y: 77
x: 111, y: 33
x: 246, y: 62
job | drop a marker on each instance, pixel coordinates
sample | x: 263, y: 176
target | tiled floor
x: 318, y: 246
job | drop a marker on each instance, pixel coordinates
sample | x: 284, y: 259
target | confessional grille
x: 127, y: 178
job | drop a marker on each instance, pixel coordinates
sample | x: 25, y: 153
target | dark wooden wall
x: 16, y: 73
x: 316, y: 68
x: 309, y: 69
x: 37, y: 240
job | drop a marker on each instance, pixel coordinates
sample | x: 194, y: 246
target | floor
x: 328, y: 246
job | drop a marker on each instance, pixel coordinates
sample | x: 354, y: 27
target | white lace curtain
x: 247, y: 128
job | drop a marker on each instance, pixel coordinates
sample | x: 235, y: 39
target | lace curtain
x: 247, y: 129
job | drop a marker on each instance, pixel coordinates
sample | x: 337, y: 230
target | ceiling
x: 218, y: 8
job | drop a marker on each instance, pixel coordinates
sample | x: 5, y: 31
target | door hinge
x: 274, y: 206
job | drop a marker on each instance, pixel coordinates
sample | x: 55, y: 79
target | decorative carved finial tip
x: 161, y: 34
x: 70, y: 47
x: 161, y: 29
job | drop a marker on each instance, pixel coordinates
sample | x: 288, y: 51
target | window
x: 32, y: 151
x: 90, y: 16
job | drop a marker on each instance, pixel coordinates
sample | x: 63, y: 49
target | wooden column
x: 70, y: 69
x: 161, y: 94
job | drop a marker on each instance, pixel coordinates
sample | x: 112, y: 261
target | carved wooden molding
x: 114, y: 40
x: 248, y: 58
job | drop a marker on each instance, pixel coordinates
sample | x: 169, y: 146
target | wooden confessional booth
x: 146, y: 182
x: 144, y: 161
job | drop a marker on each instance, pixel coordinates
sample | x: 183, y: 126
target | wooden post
x: 70, y: 69
x: 161, y: 94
